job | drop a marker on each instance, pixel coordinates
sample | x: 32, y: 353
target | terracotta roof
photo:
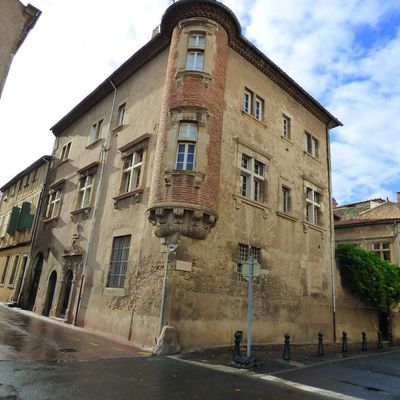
x: 356, y: 221
x: 361, y: 202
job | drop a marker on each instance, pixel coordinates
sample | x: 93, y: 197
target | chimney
x: 398, y: 197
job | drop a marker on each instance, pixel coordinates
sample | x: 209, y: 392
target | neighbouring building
x: 193, y: 155
x: 16, y: 20
x: 19, y: 206
x: 374, y: 226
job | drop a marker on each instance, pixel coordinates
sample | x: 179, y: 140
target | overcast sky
x: 345, y: 53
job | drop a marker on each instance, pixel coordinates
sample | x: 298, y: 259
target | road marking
x: 93, y: 343
x: 117, y: 348
x: 144, y: 353
x: 73, y: 338
x: 306, y: 388
x: 223, y: 368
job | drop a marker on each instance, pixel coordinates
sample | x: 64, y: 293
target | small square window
x: 95, y: 132
x: 311, y: 145
x: 121, y: 114
x: 286, y: 200
x: 188, y: 130
x: 197, y: 40
x: 286, y: 127
x: 65, y: 151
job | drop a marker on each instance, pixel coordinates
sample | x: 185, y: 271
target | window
x: 65, y: 151
x: 12, y: 190
x: 244, y: 251
x: 54, y: 202
x: 186, y: 151
x: 35, y: 175
x: 4, y: 224
x: 185, y: 156
x: 85, y: 190
x: 286, y: 199
x: 119, y: 261
x: 253, y: 104
x: 4, y: 274
x: 259, y: 108
x: 95, y: 131
x: 313, y: 206
x: 286, y: 126
x: 27, y: 178
x: 195, y: 55
x: 13, y: 271
x: 131, y: 173
x: 311, y: 145
x: 121, y: 114
x: 252, y: 178
x: 382, y: 249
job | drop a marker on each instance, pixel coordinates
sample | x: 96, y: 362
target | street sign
x: 246, y: 270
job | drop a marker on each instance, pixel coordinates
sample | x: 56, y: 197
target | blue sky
x: 345, y: 53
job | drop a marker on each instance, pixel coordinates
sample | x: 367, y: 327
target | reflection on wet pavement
x: 25, y: 337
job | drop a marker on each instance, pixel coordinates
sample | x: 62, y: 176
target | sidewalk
x: 301, y: 355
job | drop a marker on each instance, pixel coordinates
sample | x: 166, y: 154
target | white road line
x: 270, y: 378
x: 306, y: 388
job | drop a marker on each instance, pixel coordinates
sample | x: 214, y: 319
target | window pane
x: 199, y: 62
x: 188, y: 130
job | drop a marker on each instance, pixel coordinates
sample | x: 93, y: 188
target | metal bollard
x: 321, y: 350
x: 391, y: 341
x: 238, y: 339
x: 380, y: 344
x: 345, y: 346
x: 286, y: 350
x: 364, y: 343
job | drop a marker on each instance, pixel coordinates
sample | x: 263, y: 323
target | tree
x: 368, y: 276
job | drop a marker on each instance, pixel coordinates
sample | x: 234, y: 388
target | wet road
x: 372, y: 377
x: 134, y: 379
x: 24, y: 337
x: 40, y: 360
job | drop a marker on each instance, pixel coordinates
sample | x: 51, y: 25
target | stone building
x: 19, y: 205
x: 16, y: 20
x: 374, y: 226
x: 195, y: 154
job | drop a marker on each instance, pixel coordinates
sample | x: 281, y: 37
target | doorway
x: 51, y: 287
x: 67, y: 292
x: 383, y: 319
x: 37, y: 271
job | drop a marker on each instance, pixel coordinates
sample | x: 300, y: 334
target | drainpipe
x: 36, y: 223
x: 103, y: 159
x: 331, y: 235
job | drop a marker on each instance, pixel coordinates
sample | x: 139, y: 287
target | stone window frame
x: 138, y: 145
x: 194, y: 26
x: 311, y: 145
x: 83, y: 174
x: 243, y: 253
x: 66, y: 151
x: 258, y: 156
x: 286, y: 126
x: 54, y: 188
x: 184, y: 115
x: 313, y: 203
x: 382, y: 249
x: 253, y: 104
x: 95, y: 132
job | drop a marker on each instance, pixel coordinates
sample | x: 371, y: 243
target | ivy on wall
x: 368, y: 276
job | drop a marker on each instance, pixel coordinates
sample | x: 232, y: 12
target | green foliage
x: 365, y: 274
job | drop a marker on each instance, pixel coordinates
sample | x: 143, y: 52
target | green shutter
x: 13, y: 223
x: 25, y: 219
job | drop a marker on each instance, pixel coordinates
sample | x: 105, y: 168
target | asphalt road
x: 40, y: 360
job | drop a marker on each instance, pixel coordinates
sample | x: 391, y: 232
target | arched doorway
x: 67, y: 292
x: 37, y: 271
x: 51, y: 287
